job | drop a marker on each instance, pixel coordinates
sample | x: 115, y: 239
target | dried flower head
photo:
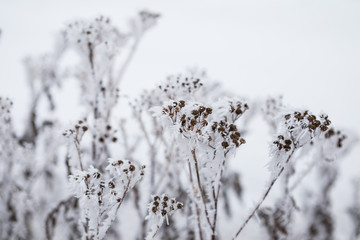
x: 142, y: 22
x: 336, y: 143
x: 99, y: 193
x: 77, y: 132
x: 5, y: 107
x: 302, y: 126
x: 227, y: 132
x: 271, y: 110
x: 159, y: 209
x: 104, y: 132
x: 86, y: 36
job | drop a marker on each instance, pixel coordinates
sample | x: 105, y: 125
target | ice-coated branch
x: 160, y: 209
x: 299, y: 128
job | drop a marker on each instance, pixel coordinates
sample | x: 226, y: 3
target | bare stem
x: 77, y: 146
x: 303, y: 175
x: 216, y: 198
x: 127, y: 61
x: 196, y: 206
x: 264, y: 196
x: 153, y: 151
x: 202, y: 193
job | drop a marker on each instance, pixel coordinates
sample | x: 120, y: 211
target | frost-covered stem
x: 32, y: 130
x: 202, y: 193
x: 77, y: 146
x: 92, y: 68
x: 136, y: 201
x: 287, y: 179
x: 216, y: 198
x: 122, y: 199
x: 163, y: 176
x: 152, y: 152
x: 86, y: 229
x: 12, y: 217
x: 67, y: 164
x: 196, y: 206
x: 94, y: 151
x: 157, y: 229
x: 127, y: 61
x: 96, y: 110
x: 264, y: 196
x: 303, y: 175
x: 51, y: 217
x: 127, y: 188
x: 125, y: 139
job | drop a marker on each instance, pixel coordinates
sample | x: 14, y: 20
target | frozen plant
x: 100, y: 198
x: 159, y: 210
x: 210, y: 136
x: 295, y: 130
x: 187, y: 130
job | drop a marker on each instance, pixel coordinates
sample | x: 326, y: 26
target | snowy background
x: 306, y: 50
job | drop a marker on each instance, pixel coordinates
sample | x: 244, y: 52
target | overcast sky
x: 307, y: 50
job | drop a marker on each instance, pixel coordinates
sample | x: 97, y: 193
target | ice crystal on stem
x: 159, y: 210
x: 209, y: 134
x: 296, y: 130
x: 101, y: 196
x: 271, y: 111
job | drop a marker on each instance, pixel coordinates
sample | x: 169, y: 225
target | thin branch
x: 273, y: 181
x: 196, y: 206
x: 202, y: 193
x: 127, y: 61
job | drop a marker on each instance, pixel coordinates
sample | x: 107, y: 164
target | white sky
x: 307, y: 50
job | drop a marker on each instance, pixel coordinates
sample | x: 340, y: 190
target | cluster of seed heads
x: 147, y: 100
x: 129, y: 168
x: 107, y: 91
x: 194, y: 121
x: 228, y: 132
x: 177, y: 85
x: 97, y: 186
x: 91, y: 30
x: 5, y: 106
x: 164, y: 205
x: 78, y: 131
x: 273, y: 106
x: 108, y: 134
x: 173, y: 110
x: 238, y: 108
x: 312, y: 123
x: 340, y: 137
x: 148, y: 18
x: 283, y: 143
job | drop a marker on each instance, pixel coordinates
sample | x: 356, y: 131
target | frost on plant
x: 160, y: 209
x: 87, y: 179
x: 101, y: 197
